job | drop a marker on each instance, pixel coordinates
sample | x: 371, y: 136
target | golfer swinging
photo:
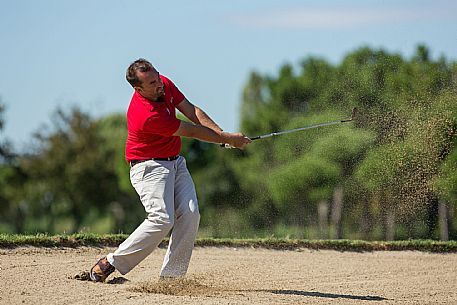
x: 159, y: 174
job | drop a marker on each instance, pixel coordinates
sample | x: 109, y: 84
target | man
x: 159, y: 175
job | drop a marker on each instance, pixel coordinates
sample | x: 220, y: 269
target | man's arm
x: 197, y: 115
x: 207, y: 134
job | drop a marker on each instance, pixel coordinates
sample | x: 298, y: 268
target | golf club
x: 353, y: 114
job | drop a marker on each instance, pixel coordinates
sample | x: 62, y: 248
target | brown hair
x: 141, y: 65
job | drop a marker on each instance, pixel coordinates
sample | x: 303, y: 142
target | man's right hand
x: 237, y: 140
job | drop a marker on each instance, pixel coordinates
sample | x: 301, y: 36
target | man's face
x: 151, y: 85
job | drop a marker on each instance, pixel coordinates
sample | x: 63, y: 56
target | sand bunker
x: 233, y: 276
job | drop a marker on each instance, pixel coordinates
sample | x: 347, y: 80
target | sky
x: 66, y: 53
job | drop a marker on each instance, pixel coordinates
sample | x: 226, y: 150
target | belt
x: 134, y: 162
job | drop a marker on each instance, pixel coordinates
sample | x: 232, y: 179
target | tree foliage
x: 380, y: 177
x: 70, y: 172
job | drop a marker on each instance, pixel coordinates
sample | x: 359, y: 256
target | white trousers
x: 168, y: 194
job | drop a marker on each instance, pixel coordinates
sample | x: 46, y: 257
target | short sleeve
x: 176, y: 94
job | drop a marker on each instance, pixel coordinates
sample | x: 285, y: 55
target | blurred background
x: 256, y: 67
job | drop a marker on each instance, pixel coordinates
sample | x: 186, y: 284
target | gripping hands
x: 235, y: 140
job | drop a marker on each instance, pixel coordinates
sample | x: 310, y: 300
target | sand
x: 233, y: 276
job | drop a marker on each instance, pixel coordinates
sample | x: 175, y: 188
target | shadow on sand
x: 327, y: 295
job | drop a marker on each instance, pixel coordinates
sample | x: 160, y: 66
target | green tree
x: 390, y: 160
x: 402, y: 171
x: 12, y: 178
x: 70, y: 173
x: 125, y: 206
x: 6, y: 150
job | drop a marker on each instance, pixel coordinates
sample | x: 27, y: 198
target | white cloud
x: 337, y: 18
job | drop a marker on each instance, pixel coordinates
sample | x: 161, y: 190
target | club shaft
x: 298, y: 129
x: 353, y: 114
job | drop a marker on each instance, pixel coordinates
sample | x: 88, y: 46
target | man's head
x: 145, y: 79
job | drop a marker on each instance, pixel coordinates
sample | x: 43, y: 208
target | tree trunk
x: 450, y: 221
x: 322, y: 211
x: 390, y: 225
x: 119, y: 215
x: 366, y: 222
x: 336, y: 212
x: 78, y: 219
x: 443, y: 215
x: 432, y: 216
x: 19, y: 219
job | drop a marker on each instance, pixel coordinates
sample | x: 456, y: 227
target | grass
x: 104, y: 240
x: 61, y: 240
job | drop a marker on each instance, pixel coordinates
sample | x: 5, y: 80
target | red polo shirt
x: 151, y: 125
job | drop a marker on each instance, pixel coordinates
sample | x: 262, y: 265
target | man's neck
x: 159, y: 99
